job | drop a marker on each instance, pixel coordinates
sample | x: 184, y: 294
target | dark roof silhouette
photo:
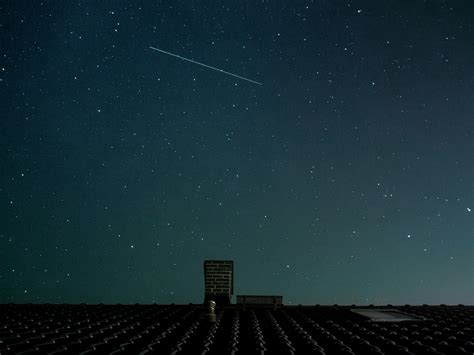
x: 185, y: 329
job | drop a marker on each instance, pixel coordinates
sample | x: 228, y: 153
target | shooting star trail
x: 205, y: 65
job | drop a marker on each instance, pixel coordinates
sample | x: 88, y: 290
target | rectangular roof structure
x: 259, y: 299
x: 385, y: 315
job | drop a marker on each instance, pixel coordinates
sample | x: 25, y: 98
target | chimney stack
x: 218, y: 281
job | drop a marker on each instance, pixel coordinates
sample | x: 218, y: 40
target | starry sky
x: 346, y: 177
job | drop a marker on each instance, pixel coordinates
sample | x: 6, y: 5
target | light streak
x: 205, y: 65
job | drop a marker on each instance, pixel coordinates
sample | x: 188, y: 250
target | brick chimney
x: 218, y: 281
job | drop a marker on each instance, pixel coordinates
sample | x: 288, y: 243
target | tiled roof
x: 176, y: 329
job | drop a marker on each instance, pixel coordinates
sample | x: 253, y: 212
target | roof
x: 184, y: 329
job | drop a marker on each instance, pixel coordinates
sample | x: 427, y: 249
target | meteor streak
x: 205, y: 65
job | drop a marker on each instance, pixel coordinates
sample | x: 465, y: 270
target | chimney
x: 218, y: 281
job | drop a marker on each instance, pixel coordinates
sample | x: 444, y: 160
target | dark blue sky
x: 347, y: 177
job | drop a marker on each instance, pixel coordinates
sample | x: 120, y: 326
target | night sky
x: 346, y: 177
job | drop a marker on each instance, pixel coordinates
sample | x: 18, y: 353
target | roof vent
x: 211, y: 311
